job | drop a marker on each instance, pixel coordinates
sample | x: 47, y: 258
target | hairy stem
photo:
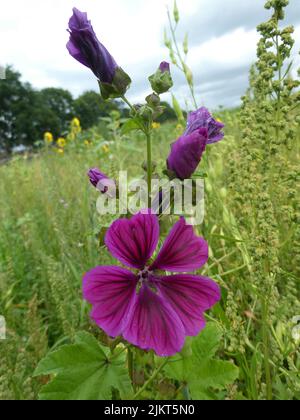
x: 151, y: 379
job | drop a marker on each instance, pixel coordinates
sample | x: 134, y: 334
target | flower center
x: 144, y: 275
x: 145, y: 279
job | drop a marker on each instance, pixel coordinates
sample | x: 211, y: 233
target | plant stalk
x: 151, y: 379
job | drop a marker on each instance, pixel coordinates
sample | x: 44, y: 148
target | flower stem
x: 266, y: 345
x: 151, y: 379
x: 182, y: 62
x: 128, y: 103
x: 130, y: 360
x: 149, y: 168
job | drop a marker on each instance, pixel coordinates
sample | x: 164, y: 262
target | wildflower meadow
x: 152, y: 253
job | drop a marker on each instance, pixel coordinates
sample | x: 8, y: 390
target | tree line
x: 27, y: 113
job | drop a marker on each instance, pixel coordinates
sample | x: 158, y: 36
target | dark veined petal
x: 190, y: 296
x: 133, y: 241
x: 154, y: 325
x: 111, y: 291
x: 182, y: 251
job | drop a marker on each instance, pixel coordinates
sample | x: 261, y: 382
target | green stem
x: 183, y: 64
x: 151, y: 379
x: 130, y: 361
x: 279, y: 62
x: 266, y: 344
x: 128, y: 103
x: 149, y: 168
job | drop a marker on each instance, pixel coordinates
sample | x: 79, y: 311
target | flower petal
x: 153, y: 324
x: 111, y: 291
x: 85, y: 47
x: 182, y: 251
x: 133, y: 241
x: 190, y: 296
x: 186, y: 153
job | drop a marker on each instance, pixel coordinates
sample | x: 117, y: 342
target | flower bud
x: 100, y: 181
x: 176, y: 12
x: 186, y: 153
x: 161, y: 81
x: 153, y: 100
x: 85, y: 47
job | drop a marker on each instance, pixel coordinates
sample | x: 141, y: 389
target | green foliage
x: 83, y: 371
x: 49, y: 237
x: 90, y: 107
x: 199, y: 370
x: 55, y: 110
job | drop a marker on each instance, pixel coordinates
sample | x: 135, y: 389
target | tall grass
x: 50, y: 236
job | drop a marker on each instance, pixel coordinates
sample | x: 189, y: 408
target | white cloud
x: 33, y: 37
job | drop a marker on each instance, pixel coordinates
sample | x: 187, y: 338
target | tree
x: 15, y: 100
x: 168, y: 115
x: 54, y: 111
x: 90, y: 107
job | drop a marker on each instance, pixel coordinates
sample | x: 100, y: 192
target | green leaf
x: 215, y: 374
x: 208, y: 342
x: 200, y: 370
x: 129, y: 126
x: 83, y: 371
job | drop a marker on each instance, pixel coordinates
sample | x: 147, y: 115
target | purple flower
x: 85, y: 47
x: 203, y: 119
x: 186, y: 153
x: 100, y: 181
x: 149, y: 309
x: 164, y: 67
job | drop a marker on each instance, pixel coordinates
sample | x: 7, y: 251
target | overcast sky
x: 222, y: 40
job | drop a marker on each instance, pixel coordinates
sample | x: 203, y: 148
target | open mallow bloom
x: 150, y: 309
x: 186, y: 153
x: 85, y: 47
x: 203, y: 119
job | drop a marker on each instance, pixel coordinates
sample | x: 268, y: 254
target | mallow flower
x: 186, y: 153
x: 85, y: 47
x: 148, y: 306
x: 203, y: 119
x: 102, y: 182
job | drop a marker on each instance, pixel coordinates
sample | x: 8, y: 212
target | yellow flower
x: 87, y: 142
x: 60, y: 151
x: 105, y: 148
x: 48, y: 137
x: 61, y: 142
x: 155, y: 126
x: 75, y: 127
x: 76, y: 122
